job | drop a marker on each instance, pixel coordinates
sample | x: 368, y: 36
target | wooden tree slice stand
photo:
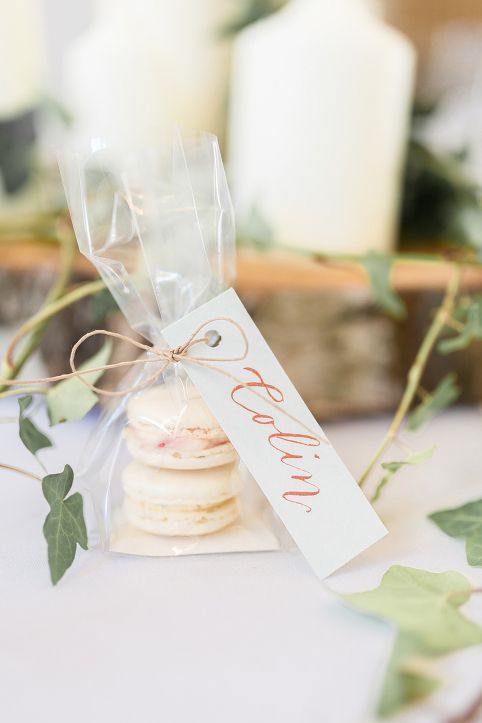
x: 266, y: 272
x: 342, y: 354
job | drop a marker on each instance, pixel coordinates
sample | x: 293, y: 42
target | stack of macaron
x: 183, y: 478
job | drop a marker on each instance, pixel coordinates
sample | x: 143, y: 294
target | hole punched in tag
x: 213, y: 338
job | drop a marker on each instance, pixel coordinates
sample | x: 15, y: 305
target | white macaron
x: 180, y: 488
x: 177, y: 502
x: 180, y: 522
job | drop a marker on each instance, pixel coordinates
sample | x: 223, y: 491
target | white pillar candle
x: 321, y: 94
x: 145, y: 66
x: 22, y: 57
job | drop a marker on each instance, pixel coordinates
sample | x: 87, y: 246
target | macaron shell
x: 173, y: 521
x: 155, y: 432
x: 161, y: 458
x: 180, y: 488
x: 172, y: 407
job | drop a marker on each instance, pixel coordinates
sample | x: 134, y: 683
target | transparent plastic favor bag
x: 164, y: 478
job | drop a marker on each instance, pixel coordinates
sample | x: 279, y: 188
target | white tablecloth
x: 222, y: 639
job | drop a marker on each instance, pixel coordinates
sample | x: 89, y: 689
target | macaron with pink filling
x: 170, y: 426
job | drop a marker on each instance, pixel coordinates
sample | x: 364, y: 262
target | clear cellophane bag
x: 162, y: 476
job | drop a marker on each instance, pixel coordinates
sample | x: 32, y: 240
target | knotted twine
x: 165, y: 357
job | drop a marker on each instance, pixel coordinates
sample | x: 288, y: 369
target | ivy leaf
x: 257, y: 231
x: 393, y: 467
x: 471, y: 331
x: 425, y: 605
x: 64, y: 527
x: 442, y: 397
x: 474, y: 552
x: 70, y: 400
x: 464, y: 522
x: 33, y: 439
x: 378, y: 268
x: 403, y: 682
x: 255, y: 10
x: 102, y: 305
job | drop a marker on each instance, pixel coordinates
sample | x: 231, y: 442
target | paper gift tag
x: 277, y: 437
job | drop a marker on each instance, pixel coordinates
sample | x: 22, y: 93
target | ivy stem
x: 423, y: 394
x: 20, y: 391
x: 416, y: 370
x: 455, y: 324
x: 19, y: 470
x: 11, y: 367
x: 467, y: 591
x: 404, y: 257
x: 404, y: 447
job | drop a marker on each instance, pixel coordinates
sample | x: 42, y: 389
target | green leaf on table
x: 465, y: 523
x: 472, y: 329
x: 474, y: 552
x: 33, y: 439
x: 64, y: 527
x: 404, y: 683
x: 70, y: 399
x: 425, y: 605
x: 445, y: 394
x: 379, y: 268
x: 392, y: 468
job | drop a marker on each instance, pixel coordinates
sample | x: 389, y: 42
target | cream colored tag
x: 277, y: 437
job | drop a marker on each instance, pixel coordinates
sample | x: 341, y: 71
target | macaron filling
x: 180, y: 445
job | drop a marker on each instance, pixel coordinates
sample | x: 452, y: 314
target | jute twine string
x: 165, y: 357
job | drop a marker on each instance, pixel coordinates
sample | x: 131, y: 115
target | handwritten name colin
x: 277, y: 438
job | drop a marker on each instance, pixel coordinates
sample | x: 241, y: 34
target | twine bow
x: 156, y: 354
x: 163, y: 356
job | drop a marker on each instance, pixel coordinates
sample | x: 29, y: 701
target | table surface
x: 240, y: 638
